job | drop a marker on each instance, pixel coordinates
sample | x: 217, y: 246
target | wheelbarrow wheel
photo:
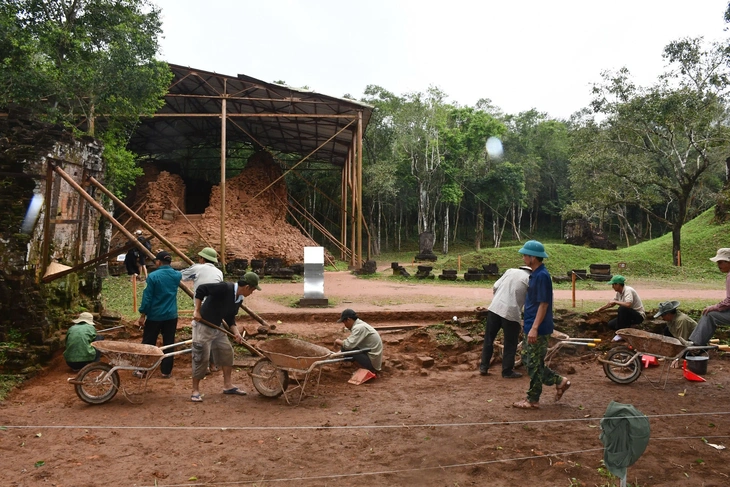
x: 268, y: 379
x: 622, y: 374
x: 92, y: 387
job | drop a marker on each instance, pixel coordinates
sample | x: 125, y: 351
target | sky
x: 521, y: 54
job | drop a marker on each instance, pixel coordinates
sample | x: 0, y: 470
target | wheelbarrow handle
x: 245, y: 344
x: 186, y: 342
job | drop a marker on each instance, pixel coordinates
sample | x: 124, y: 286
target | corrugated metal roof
x: 279, y: 117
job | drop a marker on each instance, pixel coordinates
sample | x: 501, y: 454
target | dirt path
x: 444, y: 425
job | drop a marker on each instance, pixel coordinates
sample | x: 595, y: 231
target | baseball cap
x: 617, y: 279
x: 250, y: 279
x: 163, y: 256
x: 347, y: 313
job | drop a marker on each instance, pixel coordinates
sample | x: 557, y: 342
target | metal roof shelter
x: 209, y: 109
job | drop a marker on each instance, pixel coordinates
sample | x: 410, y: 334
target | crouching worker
x: 79, y: 351
x: 361, y: 336
x: 679, y: 325
x: 222, y: 301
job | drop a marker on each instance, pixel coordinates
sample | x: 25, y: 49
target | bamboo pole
x: 189, y: 222
x: 301, y: 227
x: 343, y: 207
x: 46, y: 249
x: 126, y: 233
x: 141, y: 221
x: 359, y: 186
x: 114, y: 221
x: 129, y: 217
x: 223, y: 176
x: 353, y: 195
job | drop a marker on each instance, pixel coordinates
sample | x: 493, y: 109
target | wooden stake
x: 134, y: 292
x: 573, y: 275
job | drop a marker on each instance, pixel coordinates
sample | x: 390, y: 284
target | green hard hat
x: 209, y: 254
x: 534, y: 248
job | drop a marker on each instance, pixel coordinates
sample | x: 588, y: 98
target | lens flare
x: 494, y: 147
x: 31, y: 216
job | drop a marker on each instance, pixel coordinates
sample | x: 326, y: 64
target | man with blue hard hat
x: 538, y: 326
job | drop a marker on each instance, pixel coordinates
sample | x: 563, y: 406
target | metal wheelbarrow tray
x: 289, y: 358
x: 98, y: 382
x: 623, y: 364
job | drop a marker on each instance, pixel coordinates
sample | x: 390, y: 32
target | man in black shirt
x: 222, y: 301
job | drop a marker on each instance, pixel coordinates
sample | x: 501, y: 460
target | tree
x: 75, y: 61
x: 659, y: 144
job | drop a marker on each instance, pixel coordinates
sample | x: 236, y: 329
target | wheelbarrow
x: 623, y: 364
x: 288, y: 359
x: 98, y: 382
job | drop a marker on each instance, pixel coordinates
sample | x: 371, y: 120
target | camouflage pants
x: 533, y: 356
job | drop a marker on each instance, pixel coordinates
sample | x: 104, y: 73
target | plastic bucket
x: 697, y: 364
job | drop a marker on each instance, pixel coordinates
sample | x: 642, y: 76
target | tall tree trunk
x: 677, y: 229
x: 479, y: 228
x: 456, y: 220
x: 446, y: 230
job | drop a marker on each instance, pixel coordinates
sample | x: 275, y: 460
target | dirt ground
x: 444, y: 425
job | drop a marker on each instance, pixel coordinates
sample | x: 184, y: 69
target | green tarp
x: 625, y: 435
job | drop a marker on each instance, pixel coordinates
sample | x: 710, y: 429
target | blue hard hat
x: 534, y: 248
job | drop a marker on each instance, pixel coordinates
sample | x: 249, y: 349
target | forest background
x: 638, y: 162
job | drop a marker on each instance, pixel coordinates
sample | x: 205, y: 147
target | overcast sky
x: 521, y: 54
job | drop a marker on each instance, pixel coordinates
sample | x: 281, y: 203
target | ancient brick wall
x: 30, y: 312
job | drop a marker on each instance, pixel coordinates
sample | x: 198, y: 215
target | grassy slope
x: 652, y: 259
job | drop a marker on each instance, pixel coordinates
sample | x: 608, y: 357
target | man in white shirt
x: 204, y: 272
x: 505, y: 313
x: 630, y: 308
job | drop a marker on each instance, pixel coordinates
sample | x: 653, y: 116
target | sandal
x: 561, y: 388
x: 525, y: 404
x: 196, y: 397
x: 139, y: 374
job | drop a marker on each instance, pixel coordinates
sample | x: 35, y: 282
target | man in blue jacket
x: 158, y: 311
x: 538, y: 326
x: 218, y: 304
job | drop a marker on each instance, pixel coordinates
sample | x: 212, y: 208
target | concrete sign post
x: 313, y: 278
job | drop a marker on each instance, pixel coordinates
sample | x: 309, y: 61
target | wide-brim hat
x: 534, y: 248
x: 666, y: 307
x: 209, y: 254
x: 722, y: 254
x: 85, y: 317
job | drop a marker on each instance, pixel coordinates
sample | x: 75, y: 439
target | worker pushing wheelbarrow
x: 98, y: 382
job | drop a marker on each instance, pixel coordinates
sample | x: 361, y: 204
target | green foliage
x: 84, y: 62
x: 7, y: 383
x: 658, y: 148
x: 121, y: 165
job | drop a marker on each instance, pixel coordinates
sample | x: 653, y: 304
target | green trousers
x: 533, y: 356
